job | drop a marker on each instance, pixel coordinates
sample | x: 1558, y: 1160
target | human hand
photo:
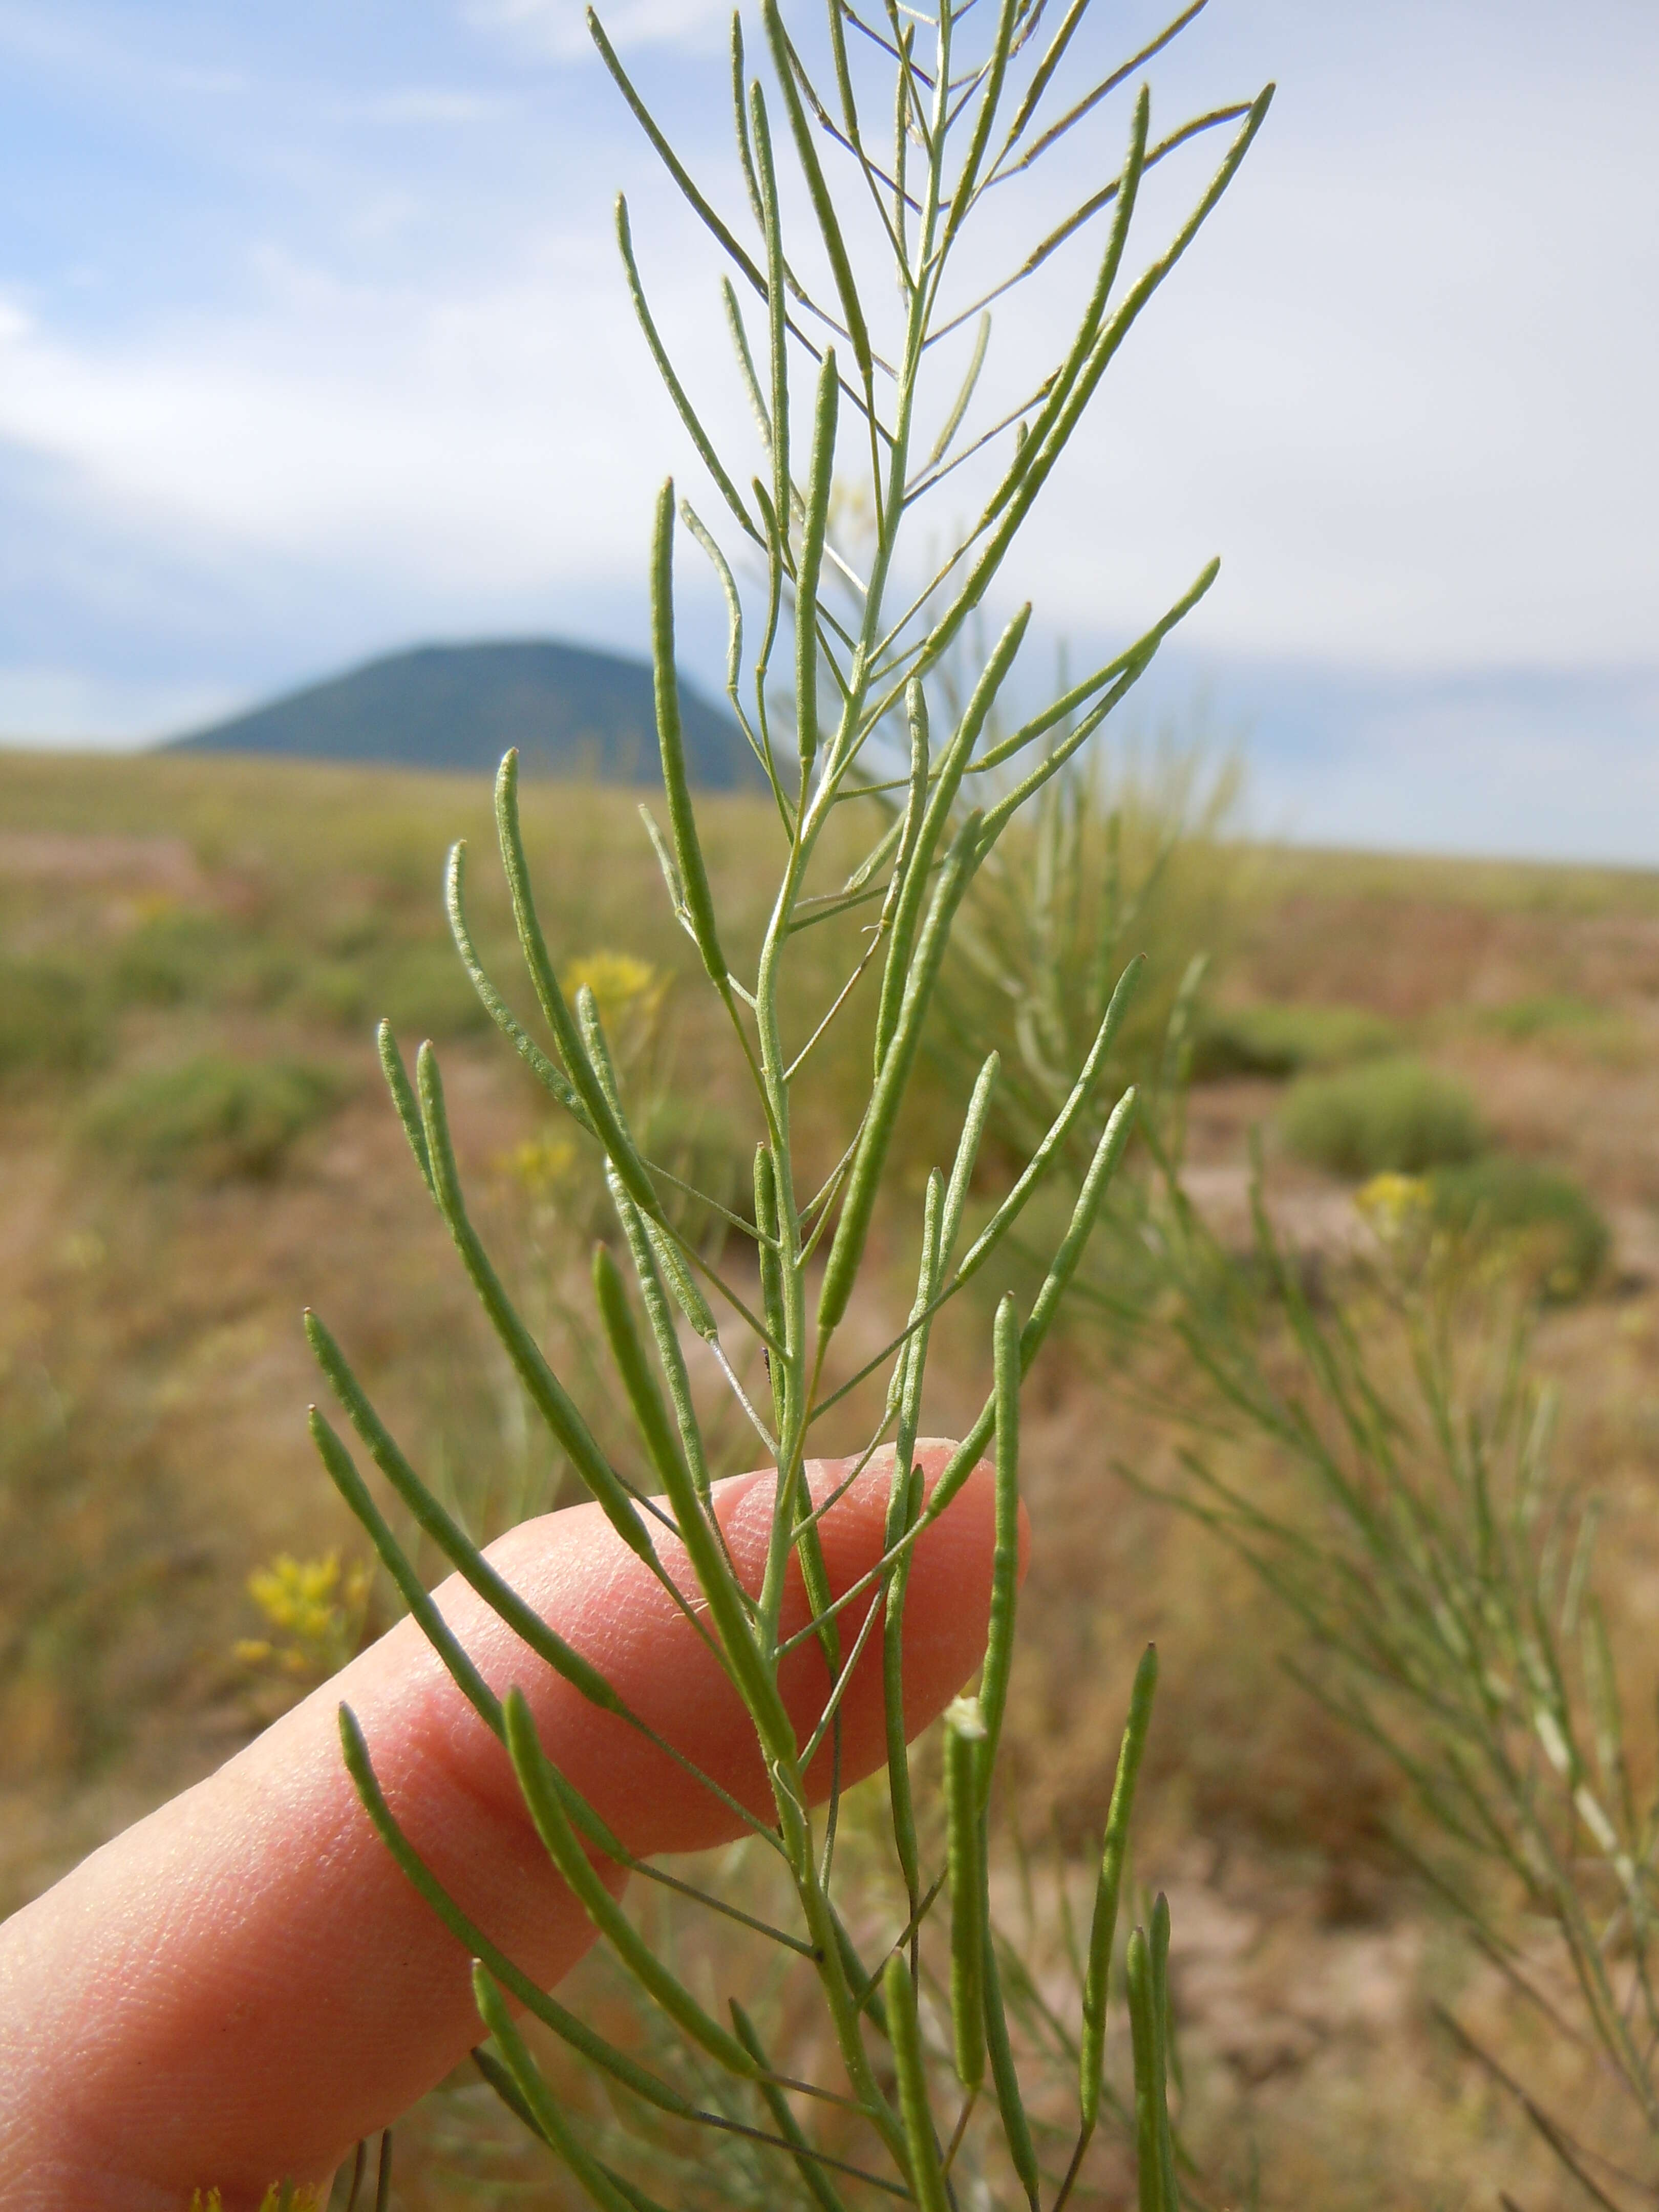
x: 243, y: 1984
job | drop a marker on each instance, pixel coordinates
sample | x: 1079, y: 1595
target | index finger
x: 243, y: 1984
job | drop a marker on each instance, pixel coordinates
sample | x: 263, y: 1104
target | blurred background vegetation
x: 1398, y: 1189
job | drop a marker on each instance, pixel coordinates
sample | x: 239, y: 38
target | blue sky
x: 311, y: 344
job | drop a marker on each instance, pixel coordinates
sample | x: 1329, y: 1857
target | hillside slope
x: 570, y: 710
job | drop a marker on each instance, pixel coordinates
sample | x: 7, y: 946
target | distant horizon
x: 1335, y: 758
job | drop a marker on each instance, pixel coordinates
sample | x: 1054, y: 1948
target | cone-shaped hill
x: 572, y: 711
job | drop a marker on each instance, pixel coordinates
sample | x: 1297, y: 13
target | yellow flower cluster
x: 1397, y: 1207
x: 540, y: 1164
x: 317, y: 1610
x: 622, y: 985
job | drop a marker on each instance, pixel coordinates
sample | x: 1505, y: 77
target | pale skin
x: 243, y: 1984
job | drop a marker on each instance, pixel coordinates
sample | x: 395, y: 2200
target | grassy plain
x: 194, y: 1144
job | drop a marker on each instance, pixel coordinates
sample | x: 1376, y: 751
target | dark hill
x: 571, y: 712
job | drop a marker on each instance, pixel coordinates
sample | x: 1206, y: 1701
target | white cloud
x: 483, y: 439
x: 559, y: 28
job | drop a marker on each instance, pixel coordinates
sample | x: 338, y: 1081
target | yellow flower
x: 540, y: 1164
x: 622, y: 985
x: 1396, y: 1206
x: 316, y: 1608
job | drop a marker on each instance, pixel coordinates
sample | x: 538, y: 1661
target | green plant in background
x: 689, y: 1138
x: 173, y: 954
x: 213, y: 1117
x: 1538, y: 1218
x: 1545, y: 1014
x: 49, y: 1021
x: 1286, y: 1040
x: 880, y: 375
x: 1386, y: 1115
x: 1106, y: 865
x: 1382, y: 1461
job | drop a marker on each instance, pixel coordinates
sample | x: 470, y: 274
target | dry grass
x: 152, y: 1381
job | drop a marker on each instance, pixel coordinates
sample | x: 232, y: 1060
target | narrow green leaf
x: 547, y: 2009
x: 542, y: 1797
x: 778, y: 327
x: 550, y: 1077
x: 1048, y: 1152
x: 1004, y: 2074
x: 926, y: 2173
x: 693, y: 1510
x: 403, y: 1097
x: 344, y: 1474
x: 551, y: 1402
x: 770, y: 1263
x: 823, y: 206
x: 996, y: 70
x: 650, y: 1415
x: 671, y: 740
x: 1005, y: 1559
x: 557, y: 1013
x: 953, y: 421
x: 1102, y: 1926
x: 548, y: 2120
x: 964, y: 1744
x: 680, y: 1279
x: 677, y: 392
x: 668, y: 157
x: 1035, y: 466
x: 917, y: 865
x: 491, y: 2068
x: 1159, y: 1945
x: 1103, y: 1166
x: 840, y: 1270
x: 1146, y: 2039
x: 1065, y: 379
x: 815, y: 2182
x: 810, y: 567
x: 962, y: 1168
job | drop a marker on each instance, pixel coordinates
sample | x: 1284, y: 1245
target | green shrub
x: 1119, y: 858
x: 49, y: 1021
x: 1389, y: 1114
x: 213, y: 1117
x: 418, y: 986
x: 172, y: 956
x: 1271, y: 1040
x: 1552, y: 1227
x: 333, y: 990
x: 1546, y: 1015
x: 421, y: 988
